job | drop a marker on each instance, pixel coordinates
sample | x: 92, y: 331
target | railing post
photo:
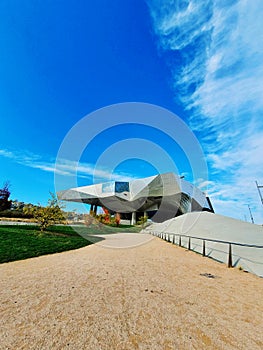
x: 203, y: 247
x: 230, y: 256
x: 189, y: 243
x: 180, y: 241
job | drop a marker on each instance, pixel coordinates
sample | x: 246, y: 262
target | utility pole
x: 259, y: 192
x: 252, y: 219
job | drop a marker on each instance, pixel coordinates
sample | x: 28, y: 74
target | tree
x: 16, y: 205
x: 117, y: 219
x: 5, y: 203
x: 142, y: 221
x: 106, y: 215
x: 46, y: 216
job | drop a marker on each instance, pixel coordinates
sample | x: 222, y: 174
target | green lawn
x: 22, y: 242
x: 105, y: 229
x: 19, y: 242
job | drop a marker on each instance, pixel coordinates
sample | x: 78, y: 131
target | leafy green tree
x: 47, y: 216
x: 142, y: 221
x: 5, y: 203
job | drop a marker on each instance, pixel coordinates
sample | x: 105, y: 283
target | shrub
x: 142, y: 221
x: 46, y: 216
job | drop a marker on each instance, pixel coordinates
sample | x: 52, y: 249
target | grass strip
x: 23, y: 242
x: 18, y: 242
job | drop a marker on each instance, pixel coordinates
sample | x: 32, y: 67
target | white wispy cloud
x: 63, y: 166
x: 84, y: 170
x: 219, y: 80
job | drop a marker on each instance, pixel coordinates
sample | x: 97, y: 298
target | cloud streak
x: 63, y: 167
x: 219, y: 81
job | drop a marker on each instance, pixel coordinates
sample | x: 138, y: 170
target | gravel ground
x: 152, y: 296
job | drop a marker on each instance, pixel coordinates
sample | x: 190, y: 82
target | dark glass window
x: 122, y: 187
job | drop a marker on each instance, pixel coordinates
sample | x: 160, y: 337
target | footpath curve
x: 153, y: 295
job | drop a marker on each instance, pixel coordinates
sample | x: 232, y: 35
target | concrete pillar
x: 133, y: 218
x: 91, y: 208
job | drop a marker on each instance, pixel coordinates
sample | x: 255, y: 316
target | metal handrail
x: 166, y: 236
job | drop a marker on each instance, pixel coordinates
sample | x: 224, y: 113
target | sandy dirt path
x: 153, y: 296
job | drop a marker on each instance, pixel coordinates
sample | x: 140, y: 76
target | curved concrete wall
x: 212, y: 226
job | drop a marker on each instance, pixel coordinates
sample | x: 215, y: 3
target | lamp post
x: 252, y: 219
x: 260, y: 195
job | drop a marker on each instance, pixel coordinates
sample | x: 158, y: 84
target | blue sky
x: 202, y: 60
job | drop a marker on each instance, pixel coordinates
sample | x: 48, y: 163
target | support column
x: 95, y: 209
x: 133, y: 218
x: 91, y: 208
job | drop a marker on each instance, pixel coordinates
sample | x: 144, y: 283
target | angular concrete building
x: 160, y: 197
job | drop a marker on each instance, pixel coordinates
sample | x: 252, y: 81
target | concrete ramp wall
x: 246, y: 238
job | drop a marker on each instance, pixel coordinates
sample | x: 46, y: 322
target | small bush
x: 47, y: 216
x: 142, y: 221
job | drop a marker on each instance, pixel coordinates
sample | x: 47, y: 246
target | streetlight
x: 260, y: 195
x: 252, y: 219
